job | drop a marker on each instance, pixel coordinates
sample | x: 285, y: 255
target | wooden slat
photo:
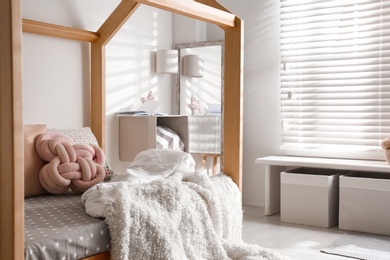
x: 98, y: 93
x: 194, y: 10
x: 59, y: 31
x: 233, y: 102
x: 101, y: 256
x: 116, y: 20
x: 213, y: 4
x: 11, y: 132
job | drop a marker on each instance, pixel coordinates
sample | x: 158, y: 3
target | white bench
x: 274, y: 165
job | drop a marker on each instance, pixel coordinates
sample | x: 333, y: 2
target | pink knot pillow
x: 69, y: 165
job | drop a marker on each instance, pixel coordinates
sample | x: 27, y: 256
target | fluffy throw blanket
x: 180, y: 214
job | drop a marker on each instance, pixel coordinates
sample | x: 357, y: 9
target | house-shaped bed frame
x: 11, y: 121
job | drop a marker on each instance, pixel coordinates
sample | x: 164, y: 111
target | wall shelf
x: 139, y: 133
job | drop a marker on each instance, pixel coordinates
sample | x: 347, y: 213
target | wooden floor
x: 298, y: 242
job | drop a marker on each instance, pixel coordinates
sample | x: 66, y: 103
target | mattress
x: 57, y: 227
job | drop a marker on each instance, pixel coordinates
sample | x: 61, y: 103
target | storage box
x: 309, y: 196
x: 365, y: 202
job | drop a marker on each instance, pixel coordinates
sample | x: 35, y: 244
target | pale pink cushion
x: 32, y: 162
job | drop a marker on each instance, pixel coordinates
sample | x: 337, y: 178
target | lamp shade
x: 167, y: 61
x: 193, y: 66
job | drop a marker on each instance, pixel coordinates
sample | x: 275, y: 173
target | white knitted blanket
x: 183, y: 216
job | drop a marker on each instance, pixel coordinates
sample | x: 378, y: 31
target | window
x: 335, y: 77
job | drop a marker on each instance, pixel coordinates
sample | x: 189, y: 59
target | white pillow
x: 168, y: 139
x: 153, y: 164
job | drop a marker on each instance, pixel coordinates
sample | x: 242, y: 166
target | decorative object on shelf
x: 149, y: 104
x: 167, y: 61
x: 195, y: 106
x: 149, y: 97
x: 193, y: 66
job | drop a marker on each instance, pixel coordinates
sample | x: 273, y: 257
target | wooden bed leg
x: 11, y: 132
x: 101, y: 256
x: 215, y: 160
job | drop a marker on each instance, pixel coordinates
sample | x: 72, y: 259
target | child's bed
x: 13, y: 220
x: 179, y: 212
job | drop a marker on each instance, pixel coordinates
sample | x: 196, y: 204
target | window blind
x: 335, y: 77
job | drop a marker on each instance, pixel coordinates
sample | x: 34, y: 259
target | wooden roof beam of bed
x: 59, y: 31
x: 194, y: 10
x: 116, y: 20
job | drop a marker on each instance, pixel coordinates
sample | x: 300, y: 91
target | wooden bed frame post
x: 232, y: 100
x: 11, y: 132
x: 232, y: 96
x: 98, y: 93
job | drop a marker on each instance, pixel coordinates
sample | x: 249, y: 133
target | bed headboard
x: 11, y: 126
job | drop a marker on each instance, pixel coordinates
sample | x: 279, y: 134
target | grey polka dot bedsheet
x: 57, y: 227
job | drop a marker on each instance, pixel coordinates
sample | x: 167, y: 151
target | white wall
x: 131, y: 71
x: 261, y: 89
x: 58, y: 68
x: 53, y: 73
x: 51, y: 67
x: 188, y: 30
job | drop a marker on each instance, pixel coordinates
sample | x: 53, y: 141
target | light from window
x: 335, y: 77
